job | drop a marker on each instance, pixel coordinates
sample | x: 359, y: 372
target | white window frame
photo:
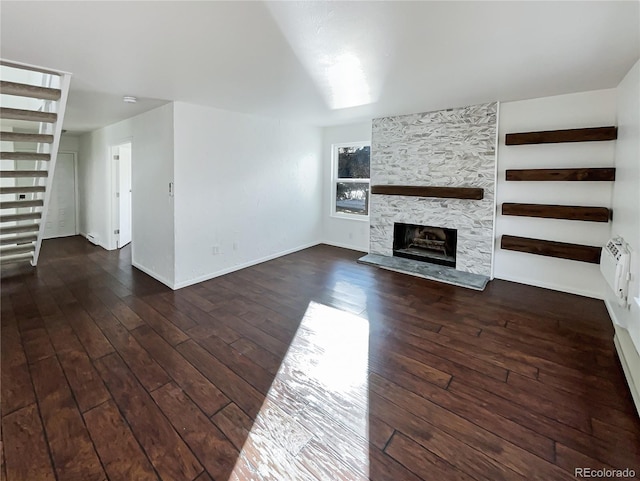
x: 335, y: 180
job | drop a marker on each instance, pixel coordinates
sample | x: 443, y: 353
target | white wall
x: 69, y: 143
x: 248, y: 186
x: 587, y: 109
x: 352, y: 234
x: 151, y: 134
x: 626, y: 193
x: 626, y: 220
x: 152, y: 208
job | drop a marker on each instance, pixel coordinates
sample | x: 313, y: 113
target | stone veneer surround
x: 452, y: 148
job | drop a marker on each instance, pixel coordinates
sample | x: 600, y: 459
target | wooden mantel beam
x: 473, y: 193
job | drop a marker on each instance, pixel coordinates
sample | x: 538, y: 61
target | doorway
x: 61, y: 213
x: 121, y: 175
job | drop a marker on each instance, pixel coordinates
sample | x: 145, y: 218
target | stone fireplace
x: 424, y: 243
x: 454, y: 148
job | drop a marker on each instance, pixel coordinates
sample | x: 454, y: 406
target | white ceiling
x: 324, y: 63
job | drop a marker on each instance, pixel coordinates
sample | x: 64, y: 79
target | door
x: 61, y: 216
x: 124, y: 191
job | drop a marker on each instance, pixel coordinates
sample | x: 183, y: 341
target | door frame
x: 114, y: 182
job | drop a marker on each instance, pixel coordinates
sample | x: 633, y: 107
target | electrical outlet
x: 235, y: 246
x: 215, y: 250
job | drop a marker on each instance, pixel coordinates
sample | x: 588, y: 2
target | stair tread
x: 15, y: 250
x: 15, y: 229
x: 24, y: 173
x: 19, y: 204
x: 26, y: 137
x: 28, y: 115
x: 24, y: 156
x: 17, y: 239
x: 31, y: 91
x: 31, y: 68
x: 27, y: 189
x: 16, y: 217
x: 17, y: 258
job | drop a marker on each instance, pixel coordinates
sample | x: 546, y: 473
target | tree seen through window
x: 352, y: 180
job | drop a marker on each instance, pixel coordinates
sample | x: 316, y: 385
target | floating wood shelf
x: 586, y: 174
x: 569, y: 212
x: 474, y: 193
x: 557, y: 136
x: 576, y: 252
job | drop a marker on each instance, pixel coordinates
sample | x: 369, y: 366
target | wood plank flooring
x: 307, y: 367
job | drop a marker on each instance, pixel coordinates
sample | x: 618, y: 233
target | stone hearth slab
x: 425, y: 270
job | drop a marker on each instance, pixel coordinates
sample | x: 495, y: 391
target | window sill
x: 359, y: 218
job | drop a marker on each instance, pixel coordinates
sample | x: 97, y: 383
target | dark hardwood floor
x: 307, y: 367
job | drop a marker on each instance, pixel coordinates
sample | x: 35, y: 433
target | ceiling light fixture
x: 129, y: 99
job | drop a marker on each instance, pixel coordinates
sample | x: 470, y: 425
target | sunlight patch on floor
x: 314, y: 420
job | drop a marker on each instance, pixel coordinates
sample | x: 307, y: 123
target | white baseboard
x: 153, y: 274
x: 553, y: 287
x: 625, y: 350
x: 627, y: 354
x: 244, y: 265
x: 612, y: 313
x: 345, y: 246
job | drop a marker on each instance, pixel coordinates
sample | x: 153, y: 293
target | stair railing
x: 65, y: 81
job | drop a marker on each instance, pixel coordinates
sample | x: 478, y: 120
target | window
x: 351, y: 174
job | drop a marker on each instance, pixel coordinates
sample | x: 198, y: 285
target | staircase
x: 32, y: 105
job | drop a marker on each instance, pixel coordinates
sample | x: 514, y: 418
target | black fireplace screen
x: 425, y: 243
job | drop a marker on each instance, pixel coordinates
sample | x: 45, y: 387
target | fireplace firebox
x: 436, y: 245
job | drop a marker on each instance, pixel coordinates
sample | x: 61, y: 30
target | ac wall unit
x: 614, y: 265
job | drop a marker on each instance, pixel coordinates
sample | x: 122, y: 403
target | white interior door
x: 124, y: 181
x: 61, y: 216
